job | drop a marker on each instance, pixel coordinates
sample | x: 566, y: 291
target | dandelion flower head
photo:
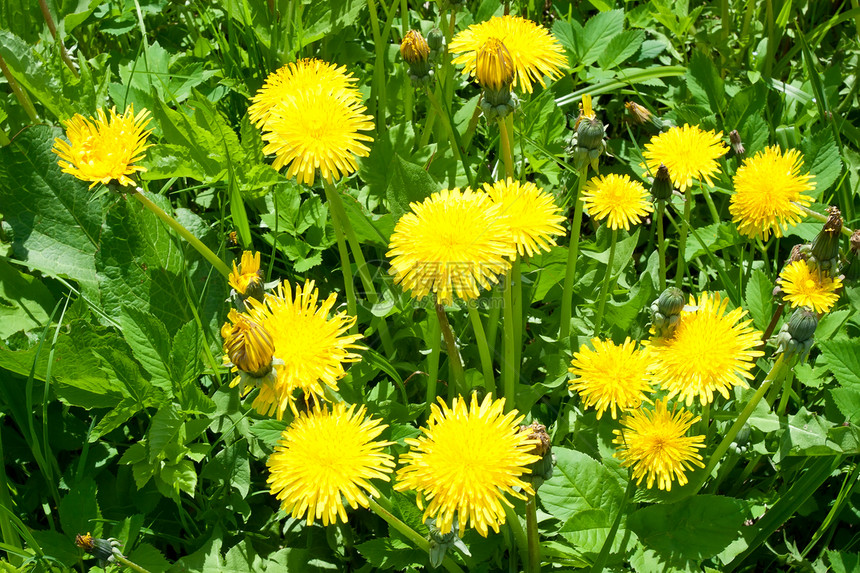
x: 451, y: 244
x: 688, y: 152
x: 611, y: 377
x: 532, y: 215
x: 325, y: 458
x: 247, y: 345
x: 769, y: 189
x: 101, y: 149
x: 618, y: 199
x: 535, y: 52
x: 802, y: 286
x: 247, y: 273
x: 466, y: 461
x: 711, y: 350
x: 655, y: 444
x: 311, y: 345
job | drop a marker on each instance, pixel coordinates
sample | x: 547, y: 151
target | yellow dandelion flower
x: 688, y: 152
x: 610, y: 376
x: 535, y: 52
x: 618, y: 199
x: 465, y: 462
x: 710, y: 350
x: 102, y: 149
x: 450, y: 244
x: 532, y: 214
x: 303, y: 75
x: 317, y: 129
x: 247, y: 274
x: 311, y: 347
x: 414, y: 47
x: 324, y: 458
x: 247, y: 345
x: 801, y: 286
x: 768, y: 189
x: 494, y: 66
x: 655, y: 444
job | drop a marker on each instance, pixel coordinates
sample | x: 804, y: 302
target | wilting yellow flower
x: 494, y: 67
x: 414, y: 47
x: 247, y: 345
x: 303, y: 75
x: 768, y: 189
x: 325, y: 457
x: 247, y: 274
x: 532, y: 215
x: 655, y: 443
x: 710, y: 350
x: 465, y: 462
x: 801, y: 286
x: 317, y: 129
x: 688, y: 152
x: 450, y: 244
x: 311, y: 347
x: 618, y: 199
x: 535, y: 52
x: 611, y: 377
x: 101, y: 150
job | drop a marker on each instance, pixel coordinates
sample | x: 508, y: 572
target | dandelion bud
x: 640, y: 115
x: 666, y: 312
x: 661, y: 188
x: 436, y: 41
x: 440, y: 542
x: 101, y: 549
x: 795, y: 338
x: 587, y: 145
x: 825, y: 247
x: 247, y: 344
x: 247, y: 278
x: 737, y: 144
x: 851, y: 268
x: 494, y: 69
x: 416, y: 53
x: 541, y: 470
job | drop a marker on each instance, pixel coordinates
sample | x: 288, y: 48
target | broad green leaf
x: 848, y: 402
x: 150, y: 344
x: 843, y: 359
x: 696, y: 528
x: 391, y: 553
x: 759, y: 299
x: 567, y: 31
x: 149, y: 558
x: 579, y: 483
x: 843, y: 561
x: 830, y: 323
x: 269, y: 431
x: 179, y: 477
x: 25, y: 303
x: 406, y: 183
x: 163, y: 430
x: 620, y: 48
x: 55, y: 225
x: 716, y: 236
x: 32, y: 73
x: 598, y: 32
x: 231, y: 466
x: 56, y: 546
x: 821, y: 158
x: 116, y: 417
x: 79, y: 510
x: 704, y: 82
x: 805, y: 434
x: 185, y: 364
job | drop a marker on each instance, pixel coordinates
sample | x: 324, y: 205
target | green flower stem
x: 435, y: 344
x: 710, y: 202
x: 483, y: 349
x: 52, y: 27
x: 572, y: 254
x: 20, y: 94
x: 410, y: 534
x: 681, y: 267
x: 517, y: 301
x: 428, y: 128
x: 705, y: 422
x: 600, y: 562
x: 823, y: 218
x: 348, y: 281
x: 378, y: 89
x: 661, y: 244
x: 507, y: 153
x: 509, y: 372
x: 516, y: 528
x: 604, y: 289
x: 496, y: 302
x: 786, y: 393
x: 340, y: 219
x: 133, y: 566
x: 453, y: 138
x: 216, y: 262
x: 459, y: 382
x: 777, y: 371
x: 533, y: 534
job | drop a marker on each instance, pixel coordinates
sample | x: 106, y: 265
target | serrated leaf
x: 715, y: 237
x: 759, y: 299
x: 696, y: 528
x: 269, y: 431
x: 843, y: 359
x: 115, y: 418
x: 79, y: 510
x: 231, y: 465
x: 843, y: 562
x: 620, y: 48
x: 821, y: 158
x: 25, y: 303
x: 805, y: 434
x: 150, y: 344
x: 149, y: 558
x: 185, y: 361
x: 388, y: 553
x: 579, y: 483
x: 598, y: 32
x: 178, y: 477
x: 163, y: 430
x: 704, y: 82
x: 848, y: 402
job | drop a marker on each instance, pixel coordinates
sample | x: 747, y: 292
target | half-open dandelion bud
x: 247, y: 279
x: 416, y: 53
x: 248, y: 345
x: 495, y: 71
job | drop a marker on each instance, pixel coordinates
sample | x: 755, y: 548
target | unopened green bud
x: 440, y: 542
x: 671, y: 301
x: 666, y: 312
x: 436, y: 40
x: 590, y: 132
x: 796, y: 337
x: 825, y: 247
x: 661, y: 189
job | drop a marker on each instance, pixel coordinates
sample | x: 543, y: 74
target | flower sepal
x: 440, y: 542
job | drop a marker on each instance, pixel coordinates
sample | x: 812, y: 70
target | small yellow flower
x: 611, y: 377
x: 414, y: 48
x: 802, y: 286
x: 465, y: 462
x: 247, y: 345
x: 618, y: 199
x: 494, y: 67
x: 324, y: 458
x: 450, y: 244
x: 247, y: 274
x: 655, y: 444
x: 101, y: 150
x: 532, y: 215
x: 769, y: 188
x: 311, y: 347
x: 535, y: 52
x: 710, y: 350
x: 689, y: 153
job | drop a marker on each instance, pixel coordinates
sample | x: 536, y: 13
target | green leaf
x: 163, y: 430
x: 178, y: 477
x: 821, y: 158
x: 269, y: 431
x: 79, y: 510
x: 597, y: 34
x: 843, y: 359
x: 704, y: 82
x: 848, y: 402
x: 580, y: 483
x: 805, y: 434
x: 25, y: 303
x: 55, y: 225
x: 759, y: 299
x: 231, y: 465
x: 407, y: 183
x: 389, y: 553
x: 150, y: 343
x: 149, y: 558
x: 715, y: 237
x: 115, y: 418
x: 843, y: 562
x: 620, y: 48
x: 696, y: 528
x: 185, y: 361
